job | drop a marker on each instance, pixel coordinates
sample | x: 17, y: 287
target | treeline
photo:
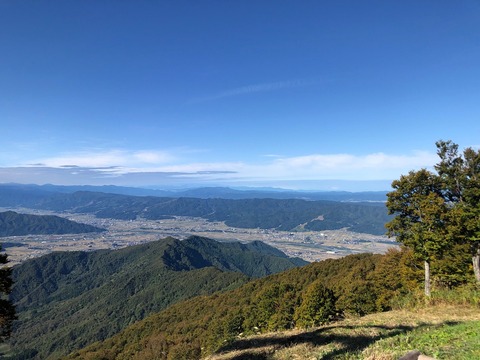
x: 67, y: 300
x: 14, y: 224
x: 280, y: 214
x: 301, y: 297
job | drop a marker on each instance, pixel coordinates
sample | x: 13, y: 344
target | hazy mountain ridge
x: 67, y: 300
x: 264, y: 213
x: 207, y: 192
x: 15, y: 224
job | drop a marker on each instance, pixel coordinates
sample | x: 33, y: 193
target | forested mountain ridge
x: 67, y: 300
x: 15, y: 224
x: 280, y: 214
x: 197, y: 327
x: 302, y: 297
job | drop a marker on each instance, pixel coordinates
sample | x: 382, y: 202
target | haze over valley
x: 295, y: 239
x: 308, y: 245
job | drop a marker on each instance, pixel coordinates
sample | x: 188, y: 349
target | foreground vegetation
x: 443, y: 331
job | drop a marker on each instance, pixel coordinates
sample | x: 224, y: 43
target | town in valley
x: 308, y: 245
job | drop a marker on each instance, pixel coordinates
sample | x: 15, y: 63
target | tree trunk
x: 427, y: 278
x: 476, y: 264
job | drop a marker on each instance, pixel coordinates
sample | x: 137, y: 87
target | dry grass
x: 352, y: 338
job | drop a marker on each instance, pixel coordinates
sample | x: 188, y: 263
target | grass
x: 440, y: 331
x: 468, y: 295
x: 450, y: 340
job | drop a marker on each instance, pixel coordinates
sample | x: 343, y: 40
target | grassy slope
x: 444, y: 332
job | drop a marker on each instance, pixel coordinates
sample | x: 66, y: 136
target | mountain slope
x: 257, y: 259
x: 202, y: 325
x: 14, y: 224
x: 245, y: 323
x: 68, y: 300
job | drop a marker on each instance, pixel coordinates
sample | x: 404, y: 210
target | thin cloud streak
x: 256, y: 88
x: 350, y: 167
x: 107, y: 158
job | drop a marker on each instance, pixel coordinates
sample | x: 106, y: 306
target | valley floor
x: 441, y: 332
x: 308, y: 245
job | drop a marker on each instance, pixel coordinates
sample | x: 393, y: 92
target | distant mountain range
x: 14, y: 224
x: 67, y: 300
x: 209, y: 192
x: 265, y: 213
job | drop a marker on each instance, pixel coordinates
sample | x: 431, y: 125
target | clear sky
x: 295, y: 94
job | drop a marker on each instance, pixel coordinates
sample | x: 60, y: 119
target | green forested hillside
x: 360, y: 284
x: 14, y: 224
x: 67, y: 300
x: 255, y: 259
x: 203, y: 324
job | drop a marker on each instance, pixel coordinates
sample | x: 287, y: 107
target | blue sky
x: 343, y: 95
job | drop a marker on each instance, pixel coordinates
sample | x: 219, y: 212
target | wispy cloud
x: 153, y: 167
x: 255, y: 88
x: 107, y: 158
x: 347, y: 166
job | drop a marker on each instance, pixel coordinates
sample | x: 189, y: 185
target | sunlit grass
x: 441, y: 331
x: 447, y: 341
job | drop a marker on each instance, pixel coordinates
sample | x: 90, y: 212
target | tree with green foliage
x: 318, y: 306
x: 454, y: 268
x: 275, y: 307
x: 420, y: 216
x: 393, y: 277
x: 460, y: 175
x: 7, y: 310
